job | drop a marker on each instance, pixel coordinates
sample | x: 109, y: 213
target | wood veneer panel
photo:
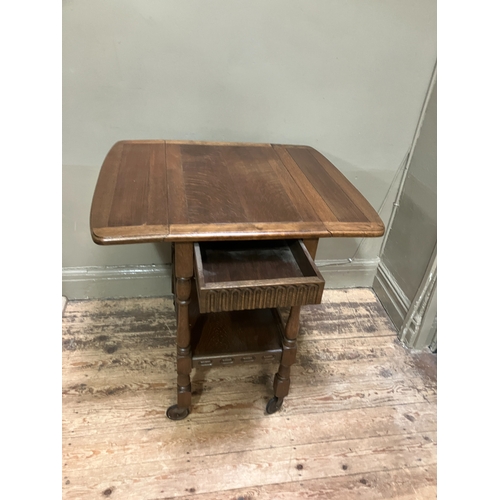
x: 361, y: 202
x: 315, y: 198
x: 303, y: 206
x: 211, y: 192
x: 258, y: 188
x: 342, y: 206
x: 106, y: 183
x: 176, y: 189
x: 132, y: 200
x: 187, y: 190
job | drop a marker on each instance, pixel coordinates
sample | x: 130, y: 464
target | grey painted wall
x: 348, y: 78
x: 409, y: 252
x: 413, y: 233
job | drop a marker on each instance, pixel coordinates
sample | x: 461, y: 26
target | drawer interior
x: 244, y: 261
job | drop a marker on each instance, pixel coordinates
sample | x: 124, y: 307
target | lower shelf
x: 237, y: 337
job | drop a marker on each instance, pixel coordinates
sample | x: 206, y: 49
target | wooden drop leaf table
x: 244, y: 221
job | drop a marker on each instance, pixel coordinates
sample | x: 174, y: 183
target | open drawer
x: 238, y: 275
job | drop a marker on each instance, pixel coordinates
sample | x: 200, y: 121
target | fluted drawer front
x: 233, y: 276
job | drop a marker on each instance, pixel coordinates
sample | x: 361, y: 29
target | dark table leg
x: 183, y: 269
x: 282, y: 378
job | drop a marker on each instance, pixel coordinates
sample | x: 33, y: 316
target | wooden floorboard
x: 359, y: 422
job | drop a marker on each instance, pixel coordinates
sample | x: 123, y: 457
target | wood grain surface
x: 359, y: 422
x: 185, y: 191
x: 238, y: 275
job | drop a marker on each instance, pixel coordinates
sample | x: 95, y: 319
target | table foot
x: 274, y: 405
x: 176, y: 413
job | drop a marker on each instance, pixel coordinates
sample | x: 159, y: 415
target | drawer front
x: 299, y: 283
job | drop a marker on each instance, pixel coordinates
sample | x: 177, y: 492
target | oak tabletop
x: 151, y: 191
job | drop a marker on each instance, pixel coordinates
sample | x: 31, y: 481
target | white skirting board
x: 390, y: 294
x: 116, y: 281
x: 155, y: 280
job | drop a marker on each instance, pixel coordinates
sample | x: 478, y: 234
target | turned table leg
x: 183, y: 269
x: 282, y: 378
